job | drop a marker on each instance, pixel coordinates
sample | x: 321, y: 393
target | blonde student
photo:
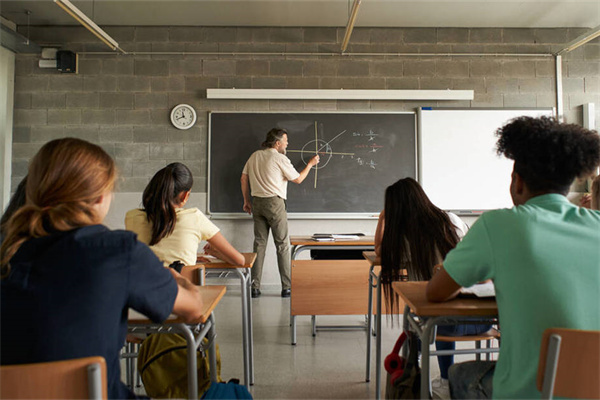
x: 67, y: 280
x: 172, y: 231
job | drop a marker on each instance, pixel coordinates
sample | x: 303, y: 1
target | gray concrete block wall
x: 123, y: 102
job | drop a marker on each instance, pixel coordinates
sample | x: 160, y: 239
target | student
x: 413, y: 234
x: 543, y: 256
x: 68, y: 281
x: 16, y: 201
x: 171, y: 231
x: 265, y: 177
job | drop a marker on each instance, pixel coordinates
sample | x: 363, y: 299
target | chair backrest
x: 569, y: 364
x: 79, y: 378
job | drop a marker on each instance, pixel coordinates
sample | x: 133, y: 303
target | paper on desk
x: 480, y: 290
x: 207, y: 258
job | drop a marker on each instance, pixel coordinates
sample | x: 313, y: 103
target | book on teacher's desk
x: 323, y: 237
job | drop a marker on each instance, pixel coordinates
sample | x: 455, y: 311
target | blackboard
x: 458, y: 165
x: 361, y: 154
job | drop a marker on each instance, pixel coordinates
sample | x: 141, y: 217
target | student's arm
x: 379, y: 233
x: 188, y: 303
x: 246, y: 193
x: 311, y: 163
x: 441, y: 287
x: 219, y: 247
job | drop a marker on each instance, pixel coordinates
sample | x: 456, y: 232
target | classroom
x: 280, y: 61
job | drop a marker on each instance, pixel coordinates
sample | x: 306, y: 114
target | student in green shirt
x: 543, y: 256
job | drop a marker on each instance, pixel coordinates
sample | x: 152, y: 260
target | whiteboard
x: 458, y: 165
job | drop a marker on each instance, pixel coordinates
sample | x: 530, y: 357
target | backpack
x: 162, y: 364
x: 403, y: 375
x: 229, y: 390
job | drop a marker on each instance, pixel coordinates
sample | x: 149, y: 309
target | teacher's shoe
x: 255, y: 293
x: 286, y: 292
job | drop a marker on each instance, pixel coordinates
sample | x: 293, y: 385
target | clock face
x: 183, y: 116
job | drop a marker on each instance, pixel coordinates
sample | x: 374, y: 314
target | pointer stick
x: 316, y: 152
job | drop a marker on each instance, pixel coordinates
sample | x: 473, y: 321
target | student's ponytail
x: 161, y: 196
x: 66, y: 179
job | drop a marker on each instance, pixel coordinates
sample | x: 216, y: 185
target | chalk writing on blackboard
x: 325, y: 150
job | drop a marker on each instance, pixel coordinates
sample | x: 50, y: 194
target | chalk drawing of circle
x: 308, y: 152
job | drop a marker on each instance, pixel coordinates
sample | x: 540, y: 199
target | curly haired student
x: 542, y: 255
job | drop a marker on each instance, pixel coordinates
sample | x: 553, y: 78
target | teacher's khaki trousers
x: 269, y: 214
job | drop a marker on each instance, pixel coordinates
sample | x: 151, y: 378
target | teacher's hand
x: 248, y: 207
x: 314, y: 161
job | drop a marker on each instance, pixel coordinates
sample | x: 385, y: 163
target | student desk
x: 422, y: 316
x: 328, y: 287
x: 245, y: 283
x: 193, y: 332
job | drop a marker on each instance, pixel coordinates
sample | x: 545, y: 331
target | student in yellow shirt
x: 171, y: 231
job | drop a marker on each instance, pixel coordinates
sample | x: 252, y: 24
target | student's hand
x: 314, y: 161
x: 248, y: 207
x: 202, y: 260
x: 586, y: 201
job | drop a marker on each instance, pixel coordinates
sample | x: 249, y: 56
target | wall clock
x: 183, y: 116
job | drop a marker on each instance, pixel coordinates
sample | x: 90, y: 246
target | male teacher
x: 265, y: 176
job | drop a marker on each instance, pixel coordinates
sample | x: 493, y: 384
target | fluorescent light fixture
x: 350, y: 25
x: 88, y: 24
x: 581, y: 40
x: 339, y: 94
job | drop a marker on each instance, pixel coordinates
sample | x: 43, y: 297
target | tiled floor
x: 328, y: 366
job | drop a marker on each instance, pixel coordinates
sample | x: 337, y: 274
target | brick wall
x: 123, y: 102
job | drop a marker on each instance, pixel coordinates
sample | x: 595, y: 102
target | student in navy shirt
x: 68, y: 281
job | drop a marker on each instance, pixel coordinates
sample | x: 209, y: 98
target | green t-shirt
x: 544, y: 259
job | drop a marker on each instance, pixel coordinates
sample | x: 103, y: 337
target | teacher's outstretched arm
x: 246, y: 193
x: 311, y: 163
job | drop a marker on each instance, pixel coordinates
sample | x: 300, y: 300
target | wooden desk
x: 323, y: 296
x: 423, y: 316
x: 193, y: 332
x: 244, y: 273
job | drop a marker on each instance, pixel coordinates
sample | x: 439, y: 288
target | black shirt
x: 68, y: 294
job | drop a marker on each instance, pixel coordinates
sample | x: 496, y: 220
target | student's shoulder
x: 99, y: 236
x: 135, y: 213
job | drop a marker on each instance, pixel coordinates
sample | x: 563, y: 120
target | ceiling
x: 313, y: 13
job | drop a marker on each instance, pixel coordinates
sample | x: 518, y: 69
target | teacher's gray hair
x: 273, y: 136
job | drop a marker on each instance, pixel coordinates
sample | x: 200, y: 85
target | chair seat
x: 489, y: 335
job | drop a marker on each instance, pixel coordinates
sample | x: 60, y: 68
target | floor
x: 328, y: 366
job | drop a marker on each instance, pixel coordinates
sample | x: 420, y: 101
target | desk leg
x: 314, y: 325
x: 378, y: 344
x: 250, y: 324
x: 428, y: 331
x: 191, y: 360
x: 369, y: 324
x: 245, y: 330
x: 293, y: 330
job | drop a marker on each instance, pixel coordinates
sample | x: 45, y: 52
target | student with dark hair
x: 67, y: 280
x: 16, y: 201
x: 543, y: 256
x: 264, y: 187
x: 174, y: 232
x: 414, y: 235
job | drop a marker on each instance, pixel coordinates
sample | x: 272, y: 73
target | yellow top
x: 191, y: 228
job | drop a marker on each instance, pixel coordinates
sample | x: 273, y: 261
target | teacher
x: 265, y: 177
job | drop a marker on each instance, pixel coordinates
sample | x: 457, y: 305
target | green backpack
x: 162, y: 364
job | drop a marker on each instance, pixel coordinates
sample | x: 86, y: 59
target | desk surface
x: 413, y: 294
x: 309, y: 241
x: 249, y: 259
x: 372, y: 258
x: 211, y: 295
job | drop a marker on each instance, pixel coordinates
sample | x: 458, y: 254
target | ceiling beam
x: 580, y: 41
x: 350, y: 25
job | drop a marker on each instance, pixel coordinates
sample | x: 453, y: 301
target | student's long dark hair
x: 161, y: 196
x: 414, y: 229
